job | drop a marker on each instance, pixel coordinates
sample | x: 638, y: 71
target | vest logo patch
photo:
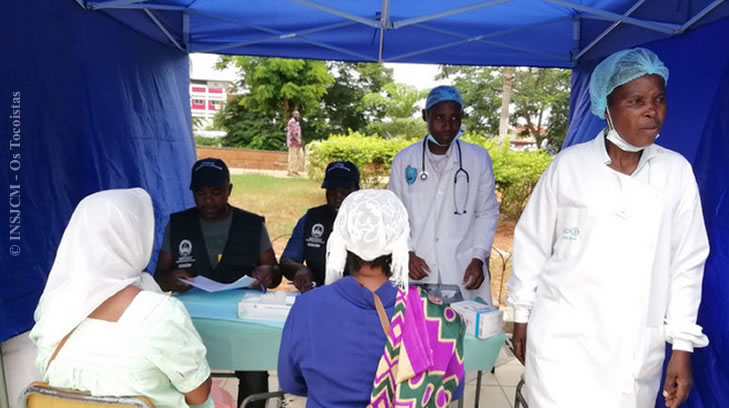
x: 315, y: 240
x: 185, y: 248
x: 184, y: 252
x: 317, y: 230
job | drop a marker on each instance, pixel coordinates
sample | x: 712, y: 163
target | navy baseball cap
x: 210, y: 172
x: 443, y: 93
x: 341, y: 174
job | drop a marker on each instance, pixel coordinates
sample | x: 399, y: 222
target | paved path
x: 273, y: 173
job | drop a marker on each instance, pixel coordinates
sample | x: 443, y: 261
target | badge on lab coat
x: 411, y: 174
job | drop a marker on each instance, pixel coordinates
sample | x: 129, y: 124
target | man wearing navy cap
x: 447, y: 186
x: 220, y: 242
x: 308, y: 242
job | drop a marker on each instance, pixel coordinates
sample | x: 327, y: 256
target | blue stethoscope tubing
x: 424, y: 175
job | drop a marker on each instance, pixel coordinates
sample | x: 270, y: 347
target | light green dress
x: 153, y: 350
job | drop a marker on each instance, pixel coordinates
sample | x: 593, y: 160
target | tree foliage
x: 342, y: 108
x: 398, y: 106
x: 539, y: 92
x: 278, y: 84
x: 481, y: 91
x: 539, y: 101
x: 249, y: 129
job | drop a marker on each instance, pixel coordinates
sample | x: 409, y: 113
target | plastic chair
x: 42, y: 395
x: 262, y: 396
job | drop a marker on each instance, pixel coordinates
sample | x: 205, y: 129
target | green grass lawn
x: 281, y: 200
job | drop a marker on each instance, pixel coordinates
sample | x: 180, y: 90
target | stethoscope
x: 424, y: 175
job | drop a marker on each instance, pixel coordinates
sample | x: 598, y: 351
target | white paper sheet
x: 210, y: 285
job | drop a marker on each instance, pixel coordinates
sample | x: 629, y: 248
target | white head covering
x: 106, y: 246
x: 370, y: 224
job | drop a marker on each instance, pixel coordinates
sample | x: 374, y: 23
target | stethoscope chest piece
x: 423, y: 175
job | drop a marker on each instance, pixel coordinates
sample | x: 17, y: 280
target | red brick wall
x: 246, y: 159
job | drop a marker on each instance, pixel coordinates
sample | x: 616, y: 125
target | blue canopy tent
x: 96, y: 96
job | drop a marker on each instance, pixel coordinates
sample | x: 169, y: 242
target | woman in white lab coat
x: 609, y: 256
x: 447, y: 186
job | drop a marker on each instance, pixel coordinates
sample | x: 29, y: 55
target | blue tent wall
x: 98, y: 106
x: 697, y: 126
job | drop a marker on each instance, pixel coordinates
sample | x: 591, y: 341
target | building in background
x: 209, y: 89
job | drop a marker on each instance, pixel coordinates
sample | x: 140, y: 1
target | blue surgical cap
x: 621, y: 68
x: 443, y: 93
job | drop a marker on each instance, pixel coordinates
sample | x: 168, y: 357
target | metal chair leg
x: 519, y: 400
x: 261, y: 396
x: 478, y: 389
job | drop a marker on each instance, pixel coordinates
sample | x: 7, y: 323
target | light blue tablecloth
x: 237, y: 345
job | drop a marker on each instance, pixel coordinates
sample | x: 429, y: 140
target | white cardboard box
x: 269, y: 306
x: 482, y: 320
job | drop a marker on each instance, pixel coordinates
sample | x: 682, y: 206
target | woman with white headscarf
x: 102, y: 325
x: 335, y: 336
x: 609, y: 256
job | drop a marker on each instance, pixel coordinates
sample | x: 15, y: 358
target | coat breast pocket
x: 572, y: 231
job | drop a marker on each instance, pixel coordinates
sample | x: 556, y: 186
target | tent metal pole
x: 186, y: 31
x: 431, y: 49
x: 113, y: 4
x: 700, y: 15
x: 484, y: 38
x: 576, y: 36
x: 495, y: 33
x: 608, y: 30
x: 279, y: 36
x: 654, y: 26
x: 479, y: 38
x: 99, y: 6
x: 4, y: 399
x: 422, y: 19
x: 343, y: 14
x: 81, y: 3
x: 383, y: 26
x: 232, y: 21
x: 338, y: 49
x: 164, y: 30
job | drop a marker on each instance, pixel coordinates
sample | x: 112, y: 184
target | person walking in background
x: 293, y: 142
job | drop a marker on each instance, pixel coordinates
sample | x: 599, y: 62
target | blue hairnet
x: 441, y: 94
x: 621, y: 68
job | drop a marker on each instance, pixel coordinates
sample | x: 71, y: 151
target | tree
x: 539, y: 98
x: 397, y: 103
x: 507, y: 75
x: 539, y: 93
x: 481, y: 90
x: 342, y: 105
x: 248, y: 129
x: 275, y: 87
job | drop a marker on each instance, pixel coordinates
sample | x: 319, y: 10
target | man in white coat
x: 609, y: 256
x: 447, y: 186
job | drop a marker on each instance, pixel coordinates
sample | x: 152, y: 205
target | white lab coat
x: 610, y: 267
x: 446, y: 241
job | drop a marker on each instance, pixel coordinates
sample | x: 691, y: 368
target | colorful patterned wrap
x: 422, y: 365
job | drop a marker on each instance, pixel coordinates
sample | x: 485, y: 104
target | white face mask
x: 618, y: 140
x: 458, y: 135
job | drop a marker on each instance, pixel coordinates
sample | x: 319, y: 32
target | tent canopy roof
x: 546, y: 33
